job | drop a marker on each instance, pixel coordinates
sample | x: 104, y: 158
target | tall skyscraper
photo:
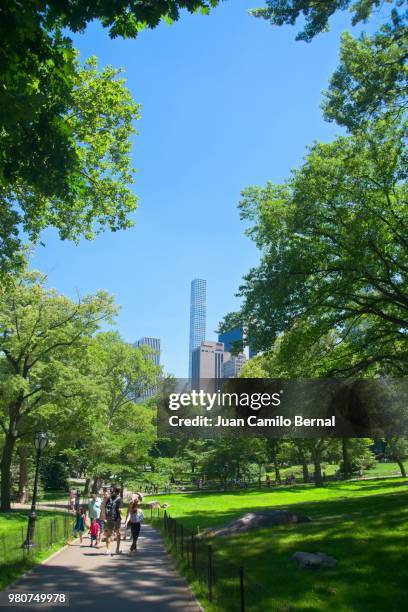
x: 198, y: 308
x: 153, y: 343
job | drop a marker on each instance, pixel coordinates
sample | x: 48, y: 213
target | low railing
x: 226, y: 585
x: 48, y: 531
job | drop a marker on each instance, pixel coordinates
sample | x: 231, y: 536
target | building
x: 207, y: 365
x: 153, y: 343
x: 231, y: 337
x: 233, y: 364
x: 198, y: 307
x: 154, y: 356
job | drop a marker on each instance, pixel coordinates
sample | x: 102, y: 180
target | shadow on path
x: 145, y: 581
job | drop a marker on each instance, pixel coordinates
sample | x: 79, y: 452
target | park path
x: 146, y: 581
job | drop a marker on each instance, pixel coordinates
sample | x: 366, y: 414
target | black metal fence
x: 226, y: 585
x: 48, y: 531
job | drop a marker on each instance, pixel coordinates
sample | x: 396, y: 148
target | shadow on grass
x: 367, y: 534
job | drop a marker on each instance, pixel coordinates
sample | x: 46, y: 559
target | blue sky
x: 227, y: 101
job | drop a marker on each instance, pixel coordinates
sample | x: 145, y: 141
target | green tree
x: 229, y: 458
x: 356, y: 454
x: 371, y: 80
x: 42, y: 335
x: 302, y: 451
x: 334, y: 248
x: 98, y: 117
x: 195, y: 452
x: 121, y: 432
x: 397, y: 448
x: 121, y: 371
x: 317, y: 13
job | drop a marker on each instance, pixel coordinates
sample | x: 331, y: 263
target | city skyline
x: 190, y: 213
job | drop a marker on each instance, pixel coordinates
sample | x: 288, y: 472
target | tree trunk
x: 87, y: 487
x: 402, y: 468
x: 346, y: 457
x: 277, y: 471
x: 23, y: 475
x: 96, y: 485
x: 6, y: 459
x: 318, y: 478
x: 305, y: 470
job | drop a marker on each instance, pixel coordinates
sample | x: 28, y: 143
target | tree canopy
x: 371, y: 80
x: 95, y: 192
x: 42, y: 338
x: 317, y: 14
x: 334, y: 245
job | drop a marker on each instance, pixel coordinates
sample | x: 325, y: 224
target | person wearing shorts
x: 113, y: 519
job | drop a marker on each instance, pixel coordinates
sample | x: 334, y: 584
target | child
x: 79, y: 526
x: 93, y: 532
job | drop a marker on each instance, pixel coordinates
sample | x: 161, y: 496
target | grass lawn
x: 14, y: 560
x: 363, y: 524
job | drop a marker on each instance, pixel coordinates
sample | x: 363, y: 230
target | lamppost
x: 41, y: 441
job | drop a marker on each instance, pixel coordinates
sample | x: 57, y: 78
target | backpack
x: 112, y: 509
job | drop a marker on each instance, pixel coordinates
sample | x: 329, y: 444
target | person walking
x: 134, y: 518
x: 93, y: 532
x: 113, y: 519
x: 102, y: 515
x: 71, y: 500
x: 79, y: 526
x: 94, y: 507
x: 77, y: 500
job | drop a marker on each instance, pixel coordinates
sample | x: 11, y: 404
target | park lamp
x: 41, y: 441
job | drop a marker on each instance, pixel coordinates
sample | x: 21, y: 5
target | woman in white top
x: 134, y: 518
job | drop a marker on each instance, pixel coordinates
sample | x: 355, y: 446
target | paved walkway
x: 146, y: 581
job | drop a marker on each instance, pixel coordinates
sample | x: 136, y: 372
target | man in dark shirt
x: 113, y: 519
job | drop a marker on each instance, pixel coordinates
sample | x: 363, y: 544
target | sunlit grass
x: 363, y: 524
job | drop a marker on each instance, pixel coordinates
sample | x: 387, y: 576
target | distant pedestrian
x: 79, y: 526
x: 134, y: 518
x: 93, y: 532
x: 77, y: 502
x: 71, y: 500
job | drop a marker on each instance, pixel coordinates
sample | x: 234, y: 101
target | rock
x: 257, y: 520
x: 313, y: 560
